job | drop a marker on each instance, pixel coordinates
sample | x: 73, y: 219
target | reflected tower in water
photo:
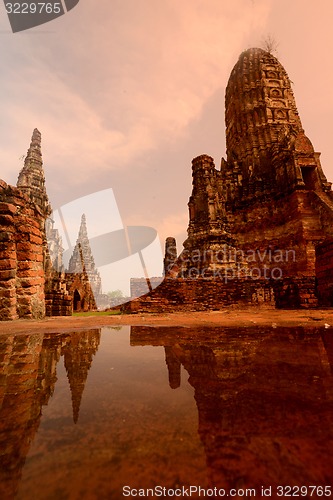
x: 78, y: 355
x: 28, y: 373
x: 264, y: 413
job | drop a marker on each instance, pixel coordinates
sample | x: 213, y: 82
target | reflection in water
x: 261, y: 414
x: 264, y: 401
x: 78, y: 354
x: 28, y: 376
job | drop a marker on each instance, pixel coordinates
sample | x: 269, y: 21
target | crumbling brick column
x: 21, y: 256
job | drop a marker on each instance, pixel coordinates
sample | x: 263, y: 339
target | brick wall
x: 58, y: 302
x: 184, y: 294
x: 324, y: 273
x: 296, y: 293
x: 22, y: 253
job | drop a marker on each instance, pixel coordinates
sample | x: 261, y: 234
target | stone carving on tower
x: 267, y: 149
x: 170, y: 256
x: 210, y: 246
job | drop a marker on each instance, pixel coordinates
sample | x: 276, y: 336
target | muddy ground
x: 228, y: 317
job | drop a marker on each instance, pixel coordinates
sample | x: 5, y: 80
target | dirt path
x: 227, y: 317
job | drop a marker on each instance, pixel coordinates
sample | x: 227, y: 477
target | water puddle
x: 106, y: 413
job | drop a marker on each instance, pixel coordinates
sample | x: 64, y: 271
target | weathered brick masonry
x: 22, y: 256
x: 263, y: 214
x: 186, y: 294
x: 324, y: 273
x: 33, y: 282
x: 260, y: 227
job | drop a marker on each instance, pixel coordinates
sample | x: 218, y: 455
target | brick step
x: 325, y: 199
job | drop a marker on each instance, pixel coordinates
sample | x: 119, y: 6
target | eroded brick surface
x: 264, y: 212
x: 21, y: 260
x: 32, y: 281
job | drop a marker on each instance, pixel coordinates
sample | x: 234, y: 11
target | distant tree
x: 269, y: 44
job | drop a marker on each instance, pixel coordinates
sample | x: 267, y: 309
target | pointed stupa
x: 83, y: 233
x: 82, y: 259
x: 31, y: 179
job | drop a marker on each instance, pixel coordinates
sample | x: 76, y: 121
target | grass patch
x: 97, y: 313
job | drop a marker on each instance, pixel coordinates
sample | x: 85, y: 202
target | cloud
x: 74, y: 137
x: 120, y: 80
x: 115, y: 86
x: 172, y: 224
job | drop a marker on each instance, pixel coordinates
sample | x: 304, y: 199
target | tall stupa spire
x: 31, y: 179
x: 82, y: 259
x: 83, y: 233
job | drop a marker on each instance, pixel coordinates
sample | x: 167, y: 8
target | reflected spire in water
x: 28, y: 365
x: 78, y: 354
x: 28, y: 375
x: 174, y: 367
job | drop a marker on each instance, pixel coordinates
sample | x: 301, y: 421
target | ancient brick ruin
x: 23, y: 259
x: 255, y: 224
x: 33, y: 282
x: 260, y: 227
x: 82, y: 263
x: 22, y: 250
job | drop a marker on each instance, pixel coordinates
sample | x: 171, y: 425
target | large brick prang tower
x: 269, y: 206
x: 268, y: 152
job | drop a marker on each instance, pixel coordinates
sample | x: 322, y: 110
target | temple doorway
x: 76, y: 301
x: 310, y: 177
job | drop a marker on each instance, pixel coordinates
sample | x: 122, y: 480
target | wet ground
x: 231, y: 316
x: 108, y: 412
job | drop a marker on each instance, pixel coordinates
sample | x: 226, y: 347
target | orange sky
x: 127, y: 92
